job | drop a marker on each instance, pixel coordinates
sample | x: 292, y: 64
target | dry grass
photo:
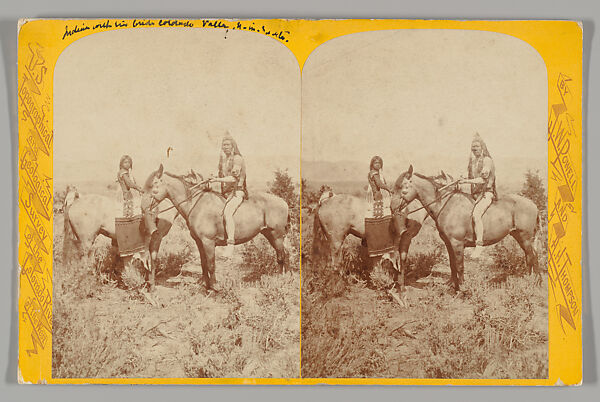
x: 497, y: 327
x: 250, y: 328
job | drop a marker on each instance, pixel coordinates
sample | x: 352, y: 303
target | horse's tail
x: 320, y: 242
x: 289, y: 220
x: 68, y: 234
x: 538, y: 242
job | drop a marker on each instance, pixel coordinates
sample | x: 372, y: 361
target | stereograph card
x: 300, y: 202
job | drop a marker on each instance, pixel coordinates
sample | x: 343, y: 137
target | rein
x: 188, y: 198
x: 400, y: 207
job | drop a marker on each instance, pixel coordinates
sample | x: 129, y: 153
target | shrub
x: 282, y: 186
x: 134, y: 275
x: 420, y: 264
x: 309, y: 197
x: 84, y: 347
x: 339, y: 342
x: 494, y: 328
x: 353, y: 256
x: 381, y: 277
x: 509, y: 260
x: 262, y: 259
x: 533, y: 188
x: 170, y: 263
x: 498, y: 339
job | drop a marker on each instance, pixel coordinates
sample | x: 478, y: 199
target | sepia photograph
x: 176, y: 174
x: 219, y: 201
x: 424, y: 207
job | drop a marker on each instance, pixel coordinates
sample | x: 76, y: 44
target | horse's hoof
x: 396, y: 296
x: 453, y: 286
x: 463, y: 293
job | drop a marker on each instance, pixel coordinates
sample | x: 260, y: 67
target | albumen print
x: 176, y: 225
x: 219, y: 201
x: 424, y: 166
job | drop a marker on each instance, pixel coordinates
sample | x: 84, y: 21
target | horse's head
x: 70, y: 195
x: 147, y: 201
x: 155, y: 185
x: 404, y: 190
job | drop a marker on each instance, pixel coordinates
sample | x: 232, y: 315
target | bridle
x: 403, y: 204
x: 190, y: 197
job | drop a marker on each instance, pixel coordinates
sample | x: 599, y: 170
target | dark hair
x: 123, y: 159
x: 375, y: 159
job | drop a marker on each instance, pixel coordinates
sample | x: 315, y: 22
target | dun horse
x: 88, y: 216
x: 451, y: 210
x: 261, y: 213
x: 340, y: 215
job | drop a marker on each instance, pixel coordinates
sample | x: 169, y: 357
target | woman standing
x: 127, y: 183
x: 379, y: 205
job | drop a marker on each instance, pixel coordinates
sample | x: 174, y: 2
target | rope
x: 397, y: 210
x: 189, y: 198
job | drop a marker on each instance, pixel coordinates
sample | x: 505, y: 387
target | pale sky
x: 419, y: 96
x: 410, y: 96
x: 141, y: 91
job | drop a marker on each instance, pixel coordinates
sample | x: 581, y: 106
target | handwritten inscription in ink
x: 136, y: 23
x: 281, y: 35
x: 73, y: 30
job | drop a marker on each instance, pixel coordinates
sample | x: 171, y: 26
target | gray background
x: 586, y: 11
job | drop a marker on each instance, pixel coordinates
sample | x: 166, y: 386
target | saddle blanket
x: 378, y: 234
x: 129, y: 235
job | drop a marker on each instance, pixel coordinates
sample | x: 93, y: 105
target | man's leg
x: 478, y: 211
x: 230, y: 208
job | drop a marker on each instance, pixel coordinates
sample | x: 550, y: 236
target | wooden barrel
x: 129, y: 235
x: 379, y: 237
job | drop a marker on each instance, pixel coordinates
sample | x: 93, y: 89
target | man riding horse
x: 232, y: 176
x: 482, y: 178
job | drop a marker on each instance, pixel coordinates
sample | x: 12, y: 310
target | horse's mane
x: 437, y: 185
x: 430, y: 179
x: 175, y: 176
x: 181, y: 178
